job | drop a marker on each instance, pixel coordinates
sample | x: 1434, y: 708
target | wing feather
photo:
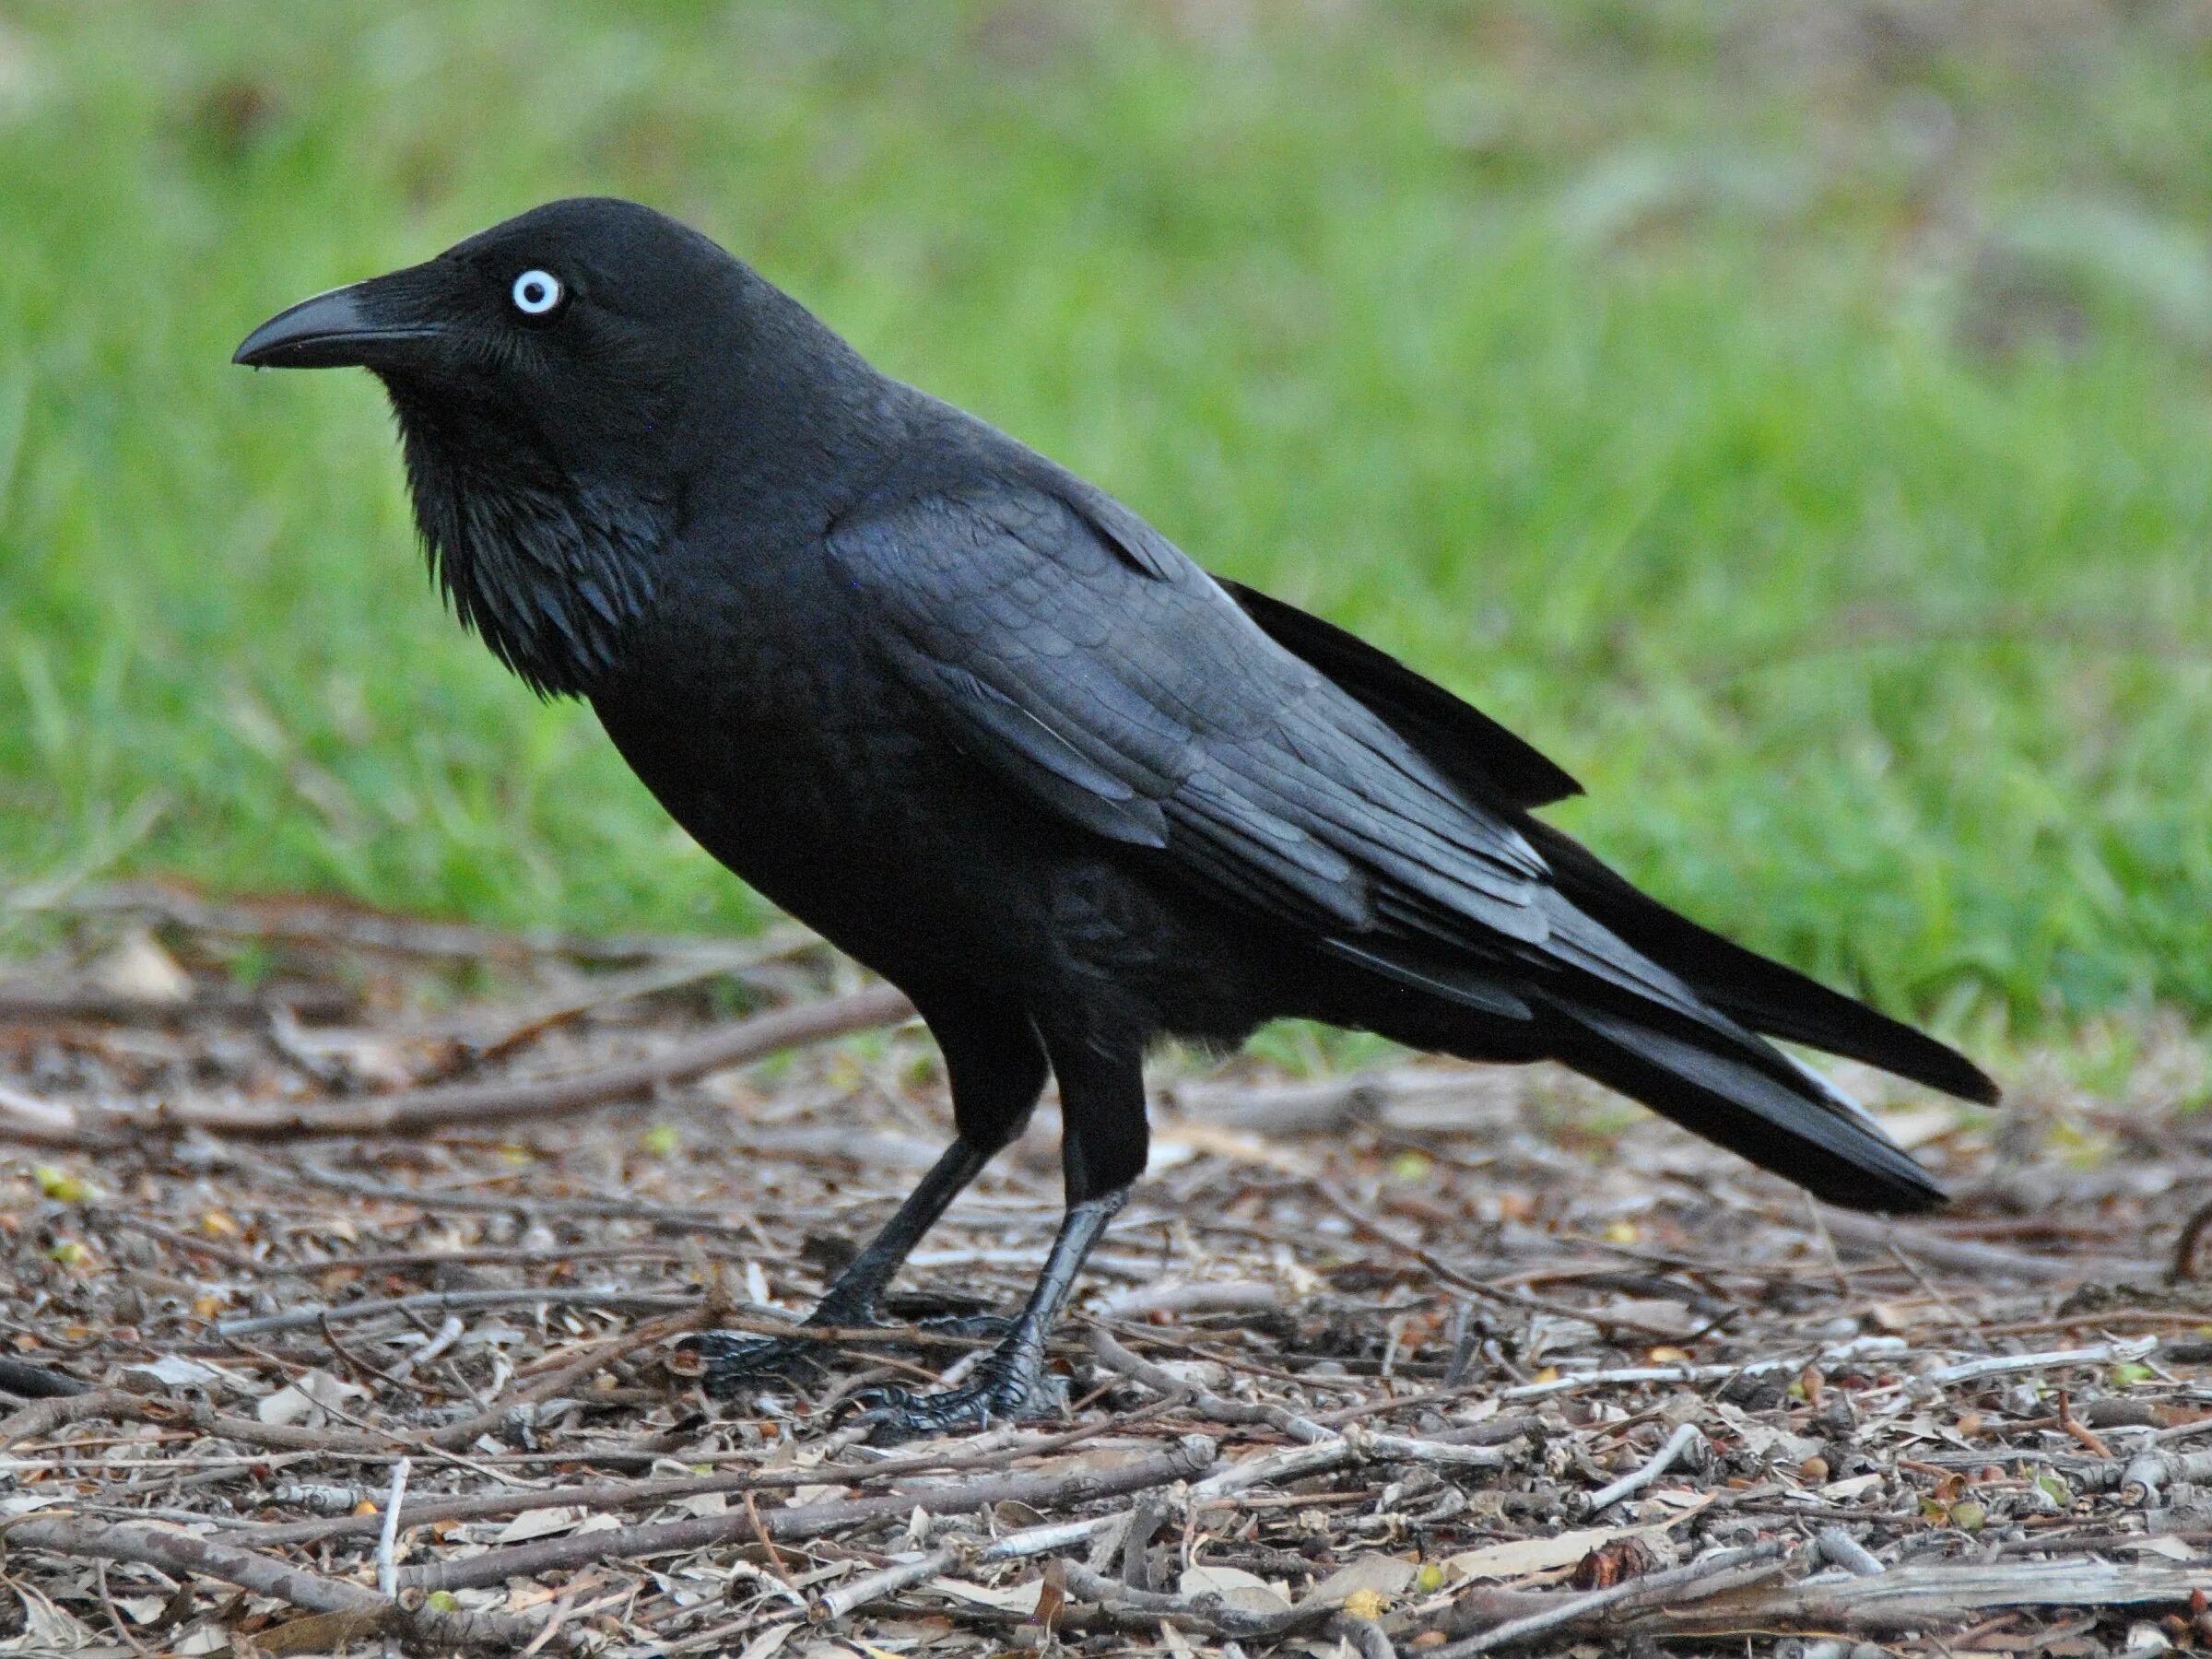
x: 1091, y: 665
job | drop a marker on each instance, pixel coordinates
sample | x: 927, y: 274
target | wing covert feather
x: 1075, y: 653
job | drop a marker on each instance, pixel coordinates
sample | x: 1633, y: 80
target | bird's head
x: 546, y: 376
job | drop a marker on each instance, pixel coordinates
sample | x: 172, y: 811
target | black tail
x: 1800, y: 1128
x: 1706, y: 1071
x: 1648, y: 1002
x: 1786, y: 1120
x: 1755, y: 991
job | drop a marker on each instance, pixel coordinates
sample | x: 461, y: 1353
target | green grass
x: 1797, y: 420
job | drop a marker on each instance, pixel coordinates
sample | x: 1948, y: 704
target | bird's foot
x: 733, y: 1362
x: 737, y: 1362
x: 1007, y: 1387
x: 986, y: 1327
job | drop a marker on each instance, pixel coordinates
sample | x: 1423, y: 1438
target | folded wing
x: 1293, y: 770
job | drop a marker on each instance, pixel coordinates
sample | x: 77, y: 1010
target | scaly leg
x: 733, y: 1359
x: 997, y: 1066
x: 1102, y: 1151
x: 1010, y: 1382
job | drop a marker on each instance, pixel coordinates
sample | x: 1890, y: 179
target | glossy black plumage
x: 999, y: 740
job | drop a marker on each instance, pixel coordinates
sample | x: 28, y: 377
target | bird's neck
x: 548, y: 570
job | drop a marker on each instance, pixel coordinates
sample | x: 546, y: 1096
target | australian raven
x: 995, y: 737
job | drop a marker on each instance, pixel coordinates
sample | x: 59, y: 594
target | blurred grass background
x: 1796, y: 416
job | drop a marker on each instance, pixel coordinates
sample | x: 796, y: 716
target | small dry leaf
x: 769, y: 1643
x: 1051, y: 1597
x: 538, y: 1524
x: 141, y: 971
x: 1604, y: 1568
x: 1379, y: 1575
x: 1522, y: 1557
x: 173, y: 1371
x: 1014, y: 1598
x: 1236, y: 1588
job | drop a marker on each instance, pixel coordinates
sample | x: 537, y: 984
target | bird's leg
x: 995, y: 1062
x: 732, y: 1359
x: 1010, y: 1381
x: 1102, y: 1148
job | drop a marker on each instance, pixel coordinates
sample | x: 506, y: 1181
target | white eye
x: 536, y: 293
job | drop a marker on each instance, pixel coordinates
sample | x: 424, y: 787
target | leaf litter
x: 1422, y: 1359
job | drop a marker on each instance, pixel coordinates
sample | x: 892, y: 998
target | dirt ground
x: 343, y: 1258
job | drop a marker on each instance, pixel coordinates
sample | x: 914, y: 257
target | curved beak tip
x: 329, y: 331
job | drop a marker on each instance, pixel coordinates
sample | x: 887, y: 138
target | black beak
x: 347, y: 327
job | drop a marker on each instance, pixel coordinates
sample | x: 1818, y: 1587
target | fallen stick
x: 1181, y: 1296
x: 1338, y: 1200
x: 361, y: 1610
x: 387, y: 1538
x: 1857, y: 1348
x: 872, y: 1587
x: 122, y: 1406
x: 45, y: 1416
x: 1015, y: 1546
x: 1347, y: 1444
x: 1160, y: 1380
x: 45, y: 1005
x: 1692, y: 1582
x: 387, y: 1261
x: 452, y: 1301
x: 1848, y: 1553
x: 1966, y: 1255
x: 1367, y: 1638
x: 1191, y: 1455
x: 2149, y: 1472
x: 634, y: 1494
x: 1934, y: 1597
x: 664, y: 1215
x: 1206, y: 1612
x: 321, y: 921
x: 497, y: 1032
x: 414, y: 1110
x: 1999, y: 1365
x: 1628, y: 1485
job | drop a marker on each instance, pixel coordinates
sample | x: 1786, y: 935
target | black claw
x: 735, y: 1361
x: 1004, y: 1391
x: 986, y: 1327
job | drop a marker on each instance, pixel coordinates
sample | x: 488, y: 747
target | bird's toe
x: 1003, y: 1394
x: 732, y: 1362
x: 982, y: 1327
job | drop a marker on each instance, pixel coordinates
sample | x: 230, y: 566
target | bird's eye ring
x: 537, y: 295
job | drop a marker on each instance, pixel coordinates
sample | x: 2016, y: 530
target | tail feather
x: 1813, y: 1133
x: 1752, y: 988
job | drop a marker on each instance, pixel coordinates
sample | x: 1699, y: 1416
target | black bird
x: 997, y: 738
